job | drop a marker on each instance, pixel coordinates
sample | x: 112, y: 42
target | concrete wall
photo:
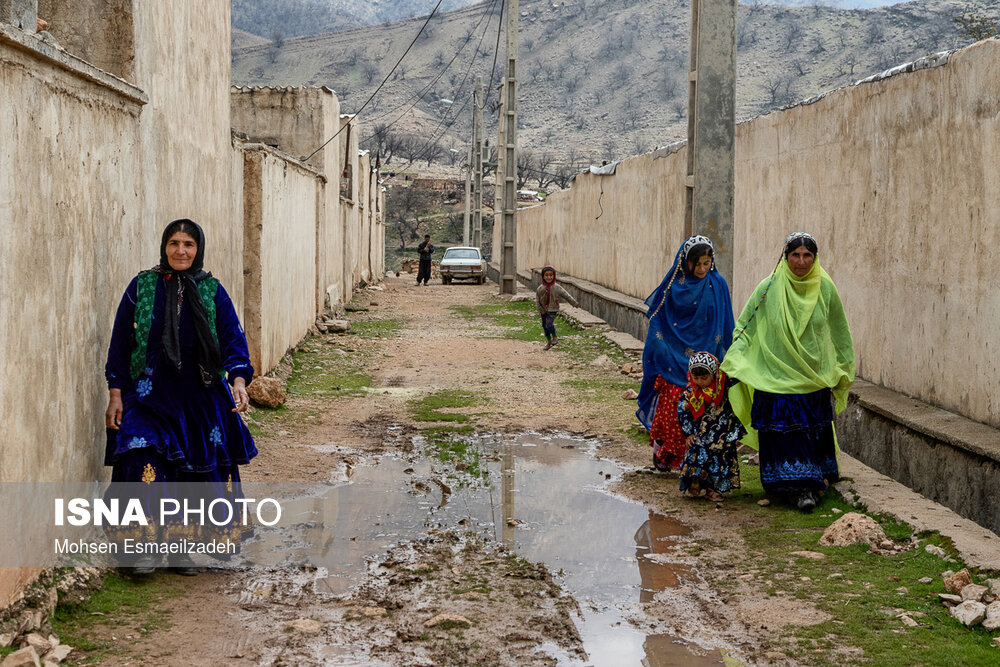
x: 280, y: 222
x: 298, y: 121
x: 896, y: 178
x: 71, y: 186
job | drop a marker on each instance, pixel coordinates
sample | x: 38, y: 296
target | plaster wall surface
x: 70, y: 188
x: 99, y: 31
x: 182, y: 62
x: 280, y: 247
x: 897, y: 180
x: 298, y: 121
x: 70, y: 193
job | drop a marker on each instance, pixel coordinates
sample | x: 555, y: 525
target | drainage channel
x: 542, y: 496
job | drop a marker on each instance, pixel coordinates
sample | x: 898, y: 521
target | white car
x: 462, y: 263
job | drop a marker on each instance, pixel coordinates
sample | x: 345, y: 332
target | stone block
x: 956, y: 582
x: 973, y: 592
x: 969, y: 613
x: 266, y: 392
x: 992, y: 620
x: 26, y: 657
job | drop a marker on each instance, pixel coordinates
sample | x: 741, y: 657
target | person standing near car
x: 426, y: 249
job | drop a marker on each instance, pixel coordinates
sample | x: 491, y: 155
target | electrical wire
x: 372, y: 96
x: 486, y: 15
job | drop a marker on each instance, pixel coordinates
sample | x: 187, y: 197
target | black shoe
x: 144, y: 566
x: 806, y: 502
x: 183, y: 565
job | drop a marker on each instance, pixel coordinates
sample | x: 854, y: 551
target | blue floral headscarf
x: 686, y: 315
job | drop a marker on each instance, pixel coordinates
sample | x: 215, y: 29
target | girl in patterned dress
x: 712, y: 431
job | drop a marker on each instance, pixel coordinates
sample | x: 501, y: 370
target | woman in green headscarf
x: 794, y: 357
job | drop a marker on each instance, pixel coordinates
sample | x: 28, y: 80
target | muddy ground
x: 421, y: 341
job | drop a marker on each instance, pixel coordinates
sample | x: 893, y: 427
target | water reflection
x: 553, y: 509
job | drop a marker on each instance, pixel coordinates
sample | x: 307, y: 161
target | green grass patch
x: 862, y: 593
x: 377, y: 328
x: 602, y: 388
x: 120, y: 602
x: 433, y: 407
x: 453, y: 446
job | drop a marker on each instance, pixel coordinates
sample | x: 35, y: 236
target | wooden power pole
x: 477, y: 164
x: 508, y: 250
x: 712, y: 127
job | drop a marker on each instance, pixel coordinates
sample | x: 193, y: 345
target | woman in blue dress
x: 689, y: 312
x: 177, y: 372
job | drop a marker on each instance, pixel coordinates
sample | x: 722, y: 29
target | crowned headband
x: 799, y: 235
x: 704, y: 360
x: 694, y: 241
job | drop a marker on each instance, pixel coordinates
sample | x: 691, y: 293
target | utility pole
x: 468, y: 197
x: 508, y: 250
x: 477, y: 175
x: 712, y: 127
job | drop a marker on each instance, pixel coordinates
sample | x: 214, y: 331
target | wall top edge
x: 38, y: 47
x: 281, y: 89
x: 256, y: 147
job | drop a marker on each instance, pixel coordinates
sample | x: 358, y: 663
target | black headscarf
x: 183, y: 285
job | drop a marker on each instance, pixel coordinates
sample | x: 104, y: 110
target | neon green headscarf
x: 798, y: 342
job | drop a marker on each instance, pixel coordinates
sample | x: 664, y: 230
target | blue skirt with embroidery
x: 795, y: 432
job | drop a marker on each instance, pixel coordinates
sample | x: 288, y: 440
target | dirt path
x: 356, y: 398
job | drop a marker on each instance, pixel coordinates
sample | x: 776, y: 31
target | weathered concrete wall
x: 898, y: 436
x: 350, y: 216
x: 99, y: 31
x: 280, y: 222
x: 896, y: 178
x: 298, y: 121
x: 70, y: 189
x: 182, y: 62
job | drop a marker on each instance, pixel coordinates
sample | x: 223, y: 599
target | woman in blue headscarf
x: 689, y: 312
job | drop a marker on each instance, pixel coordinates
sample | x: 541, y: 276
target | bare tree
x: 404, y: 207
x: 369, y: 72
x: 277, y: 42
x: 525, y: 167
x: 430, y: 151
x: 543, y: 162
x: 779, y: 85
x: 794, y: 34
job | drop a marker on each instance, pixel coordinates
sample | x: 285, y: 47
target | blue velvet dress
x: 795, y: 432
x: 174, y: 429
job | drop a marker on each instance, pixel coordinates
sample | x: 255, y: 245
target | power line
x: 420, y: 32
x: 496, y: 52
x: 472, y: 33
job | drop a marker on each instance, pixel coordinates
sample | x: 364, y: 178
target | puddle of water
x: 545, y: 499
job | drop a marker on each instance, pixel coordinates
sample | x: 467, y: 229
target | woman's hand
x: 240, y: 395
x: 690, y: 440
x: 113, y: 415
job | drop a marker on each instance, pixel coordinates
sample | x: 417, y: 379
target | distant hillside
x: 599, y: 78
x: 295, y: 18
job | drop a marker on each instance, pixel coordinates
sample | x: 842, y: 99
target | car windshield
x: 462, y: 253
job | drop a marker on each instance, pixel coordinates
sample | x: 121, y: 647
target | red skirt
x: 666, y: 436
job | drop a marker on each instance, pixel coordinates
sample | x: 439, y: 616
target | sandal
x: 715, y: 496
x: 692, y: 493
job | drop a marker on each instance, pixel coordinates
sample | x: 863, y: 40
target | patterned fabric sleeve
x: 684, y: 415
x: 116, y: 370
x: 232, y: 340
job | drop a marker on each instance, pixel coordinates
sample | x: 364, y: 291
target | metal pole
x: 508, y: 257
x: 712, y: 127
x: 477, y: 175
x: 468, y: 198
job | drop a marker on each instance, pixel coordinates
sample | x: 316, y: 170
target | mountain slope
x: 599, y: 78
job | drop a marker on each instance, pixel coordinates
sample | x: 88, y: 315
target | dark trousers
x: 424, y: 271
x: 549, y: 325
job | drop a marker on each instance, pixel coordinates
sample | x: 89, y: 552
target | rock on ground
x: 447, y: 618
x: 969, y: 613
x: 306, y: 625
x: 59, y: 653
x: 266, y: 392
x: 992, y: 620
x: 853, y: 528
x: 954, y: 583
x: 26, y: 657
x: 813, y: 555
x: 973, y: 592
